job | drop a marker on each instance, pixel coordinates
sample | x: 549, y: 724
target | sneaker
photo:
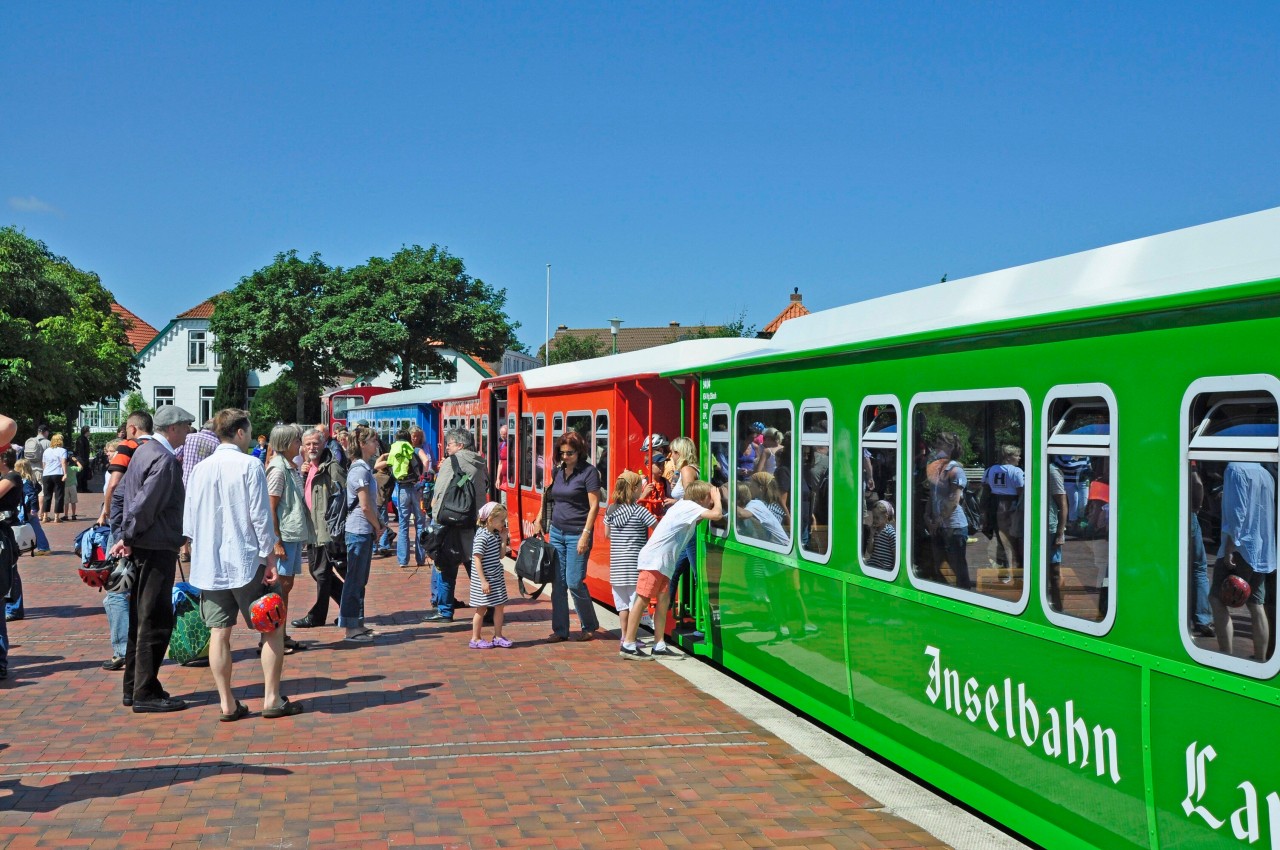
x: 636, y: 654
x: 646, y: 620
x: 502, y: 642
x: 41, y: 552
x: 483, y: 644
x: 116, y: 663
x: 1006, y: 577
x: 667, y: 653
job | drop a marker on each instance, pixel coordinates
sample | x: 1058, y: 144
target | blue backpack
x: 92, y: 545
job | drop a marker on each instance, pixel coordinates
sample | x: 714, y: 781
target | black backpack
x: 458, y: 505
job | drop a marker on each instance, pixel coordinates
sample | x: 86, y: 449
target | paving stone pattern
x: 414, y: 741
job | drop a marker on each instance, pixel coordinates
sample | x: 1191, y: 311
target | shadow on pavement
x: 351, y: 703
x: 115, y: 783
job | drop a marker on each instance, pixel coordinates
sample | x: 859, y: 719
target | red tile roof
x: 633, y: 339
x: 793, y: 310
x: 203, y: 310
x: 139, y: 332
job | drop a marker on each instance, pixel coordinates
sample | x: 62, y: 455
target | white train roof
x: 673, y: 357
x: 1223, y: 253
x: 417, y: 395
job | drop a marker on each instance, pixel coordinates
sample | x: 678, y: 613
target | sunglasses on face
x: 567, y: 453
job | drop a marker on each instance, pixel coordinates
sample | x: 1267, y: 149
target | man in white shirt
x: 228, y: 521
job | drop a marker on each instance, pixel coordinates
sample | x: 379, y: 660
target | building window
x: 249, y: 393
x: 878, y: 541
x: 162, y: 396
x: 1077, y: 522
x: 197, y: 349
x: 968, y: 525
x: 762, y: 497
x: 815, y: 480
x: 1232, y: 444
x: 206, y: 404
x: 720, y: 468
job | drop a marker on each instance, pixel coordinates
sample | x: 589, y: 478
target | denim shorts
x: 291, y: 563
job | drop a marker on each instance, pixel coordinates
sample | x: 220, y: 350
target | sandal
x: 361, y: 637
x: 555, y: 638
x: 241, y: 711
x: 502, y: 642
x: 286, y: 709
x: 584, y: 636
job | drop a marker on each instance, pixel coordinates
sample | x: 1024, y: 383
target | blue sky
x: 671, y: 161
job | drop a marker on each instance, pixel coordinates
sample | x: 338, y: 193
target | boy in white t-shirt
x: 657, y: 563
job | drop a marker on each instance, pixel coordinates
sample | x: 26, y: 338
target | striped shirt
x: 196, y: 448
x: 884, y: 549
x: 487, y: 547
x: 628, y: 530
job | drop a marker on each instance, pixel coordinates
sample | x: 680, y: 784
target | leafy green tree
x: 400, y: 313
x: 737, y: 327
x: 61, y: 346
x: 233, y: 380
x: 283, y: 313
x: 135, y: 402
x: 567, y: 348
x: 274, y: 403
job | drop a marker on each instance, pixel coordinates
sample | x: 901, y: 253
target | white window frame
x: 155, y: 397
x: 212, y: 394
x: 971, y: 597
x: 195, y: 337
x: 1096, y: 446
x: 820, y: 405
x: 748, y: 540
x: 896, y: 445
x: 727, y: 437
x: 1226, y: 448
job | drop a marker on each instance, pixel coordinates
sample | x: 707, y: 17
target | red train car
x: 335, y: 403
x: 613, y: 402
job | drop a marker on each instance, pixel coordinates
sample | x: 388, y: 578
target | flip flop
x: 362, y: 637
x: 286, y: 709
x: 241, y: 711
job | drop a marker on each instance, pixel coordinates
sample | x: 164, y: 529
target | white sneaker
x: 646, y: 620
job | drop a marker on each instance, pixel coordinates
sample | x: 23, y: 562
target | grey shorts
x: 218, y: 607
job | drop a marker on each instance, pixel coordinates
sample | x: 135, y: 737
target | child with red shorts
x: 657, y: 563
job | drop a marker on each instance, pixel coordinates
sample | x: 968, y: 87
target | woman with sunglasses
x: 574, y: 497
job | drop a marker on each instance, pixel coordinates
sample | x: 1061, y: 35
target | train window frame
x: 539, y: 451
x: 606, y: 483
x: 484, y: 436
x: 724, y: 410
x: 1087, y: 444
x: 896, y: 445
x: 513, y: 445
x: 815, y: 405
x: 1013, y: 608
x: 526, y: 421
x: 748, y: 540
x: 1254, y: 383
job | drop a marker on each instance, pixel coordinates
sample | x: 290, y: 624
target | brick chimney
x: 796, y: 298
x: 674, y: 325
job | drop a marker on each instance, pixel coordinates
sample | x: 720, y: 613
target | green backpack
x: 401, y: 456
x: 190, y: 639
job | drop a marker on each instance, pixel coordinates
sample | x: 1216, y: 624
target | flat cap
x: 171, y: 414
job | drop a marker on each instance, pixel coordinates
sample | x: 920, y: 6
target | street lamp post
x: 613, y: 330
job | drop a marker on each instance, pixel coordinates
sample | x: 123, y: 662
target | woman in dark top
x: 10, y: 500
x: 574, y: 494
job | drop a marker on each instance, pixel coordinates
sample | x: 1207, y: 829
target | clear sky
x: 672, y: 161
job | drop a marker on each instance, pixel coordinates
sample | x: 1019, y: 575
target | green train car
x: 1076, y: 455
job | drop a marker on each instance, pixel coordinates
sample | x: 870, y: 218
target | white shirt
x: 670, y: 537
x: 52, y: 461
x: 160, y: 438
x: 228, y: 518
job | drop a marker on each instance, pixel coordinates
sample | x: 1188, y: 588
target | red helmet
x: 1235, y: 591
x: 95, y: 576
x: 267, y: 614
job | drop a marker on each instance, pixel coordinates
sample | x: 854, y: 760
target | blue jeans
x: 687, y: 557
x: 1077, y: 498
x: 4, y: 644
x: 359, y: 559
x: 409, y: 505
x: 15, y: 608
x: 42, y: 542
x: 571, y: 576
x: 457, y: 552
x: 384, y: 542
x: 1200, y: 575
x: 117, y: 605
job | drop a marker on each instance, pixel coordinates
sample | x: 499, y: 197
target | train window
x: 526, y: 451
x: 484, y: 436
x: 557, y: 427
x: 762, y: 494
x: 815, y: 480
x: 540, y: 453
x: 719, y: 468
x: 969, y: 487
x: 511, y: 451
x: 878, y: 482
x: 1232, y: 438
x: 601, y: 454
x: 581, y: 422
x: 1077, y: 519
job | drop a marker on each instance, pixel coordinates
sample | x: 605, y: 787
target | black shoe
x: 158, y: 706
x: 458, y: 603
x: 1203, y: 631
x: 116, y: 663
x: 9, y: 618
x: 307, y: 622
x: 667, y: 652
x: 636, y: 654
x: 127, y: 701
x: 4, y: 672
x: 437, y: 618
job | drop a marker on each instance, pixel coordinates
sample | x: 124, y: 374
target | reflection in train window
x: 484, y: 436
x: 526, y: 450
x: 968, y: 522
x: 720, y: 469
x: 601, y: 450
x: 1232, y: 456
x: 540, y: 453
x: 814, y: 517
x: 511, y: 450
x: 1077, y: 522
x: 878, y: 483
x: 763, y: 460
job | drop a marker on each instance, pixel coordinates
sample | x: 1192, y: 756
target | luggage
x: 458, y: 506
x: 25, y: 537
x: 536, y: 563
x: 190, y: 639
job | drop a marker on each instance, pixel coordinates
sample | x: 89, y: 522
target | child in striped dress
x: 488, y: 581
x: 627, y: 525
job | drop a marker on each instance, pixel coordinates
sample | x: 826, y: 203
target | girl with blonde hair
x: 627, y: 525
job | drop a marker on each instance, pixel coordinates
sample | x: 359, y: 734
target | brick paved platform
x: 414, y: 741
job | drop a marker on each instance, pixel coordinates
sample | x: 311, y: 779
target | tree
x: 233, y: 381
x: 274, y: 403
x: 283, y: 314
x: 737, y: 327
x: 403, y: 312
x: 566, y: 348
x: 61, y: 346
x: 134, y: 403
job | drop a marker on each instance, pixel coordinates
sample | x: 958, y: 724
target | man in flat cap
x: 146, y: 520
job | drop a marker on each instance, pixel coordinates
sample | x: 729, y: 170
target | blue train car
x: 390, y: 412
